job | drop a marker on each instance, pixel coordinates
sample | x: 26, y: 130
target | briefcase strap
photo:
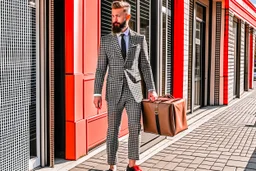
x: 157, y: 119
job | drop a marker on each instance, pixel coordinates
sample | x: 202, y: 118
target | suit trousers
x: 115, y: 111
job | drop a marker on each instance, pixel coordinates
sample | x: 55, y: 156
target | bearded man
x: 125, y: 54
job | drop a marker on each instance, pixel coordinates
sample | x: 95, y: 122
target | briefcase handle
x: 160, y: 99
x: 169, y: 96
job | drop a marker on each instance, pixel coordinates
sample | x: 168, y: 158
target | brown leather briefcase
x: 165, y: 116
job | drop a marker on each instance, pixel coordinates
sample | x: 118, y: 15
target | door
x: 199, y: 58
x: 237, y: 45
x: 198, y: 66
x: 246, y: 57
x: 235, y: 60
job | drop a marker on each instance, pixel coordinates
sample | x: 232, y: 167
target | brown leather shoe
x: 134, y: 168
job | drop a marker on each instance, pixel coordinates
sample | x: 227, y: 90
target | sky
x: 254, y: 2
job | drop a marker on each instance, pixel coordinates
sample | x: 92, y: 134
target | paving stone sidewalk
x: 225, y: 142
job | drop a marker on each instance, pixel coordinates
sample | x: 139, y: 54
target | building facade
x: 200, y: 50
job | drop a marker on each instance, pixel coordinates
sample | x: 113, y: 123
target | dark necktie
x: 123, y: 46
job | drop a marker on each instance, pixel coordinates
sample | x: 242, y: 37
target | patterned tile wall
x: 17, y: 82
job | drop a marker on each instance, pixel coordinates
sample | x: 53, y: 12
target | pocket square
x: 134, y: 45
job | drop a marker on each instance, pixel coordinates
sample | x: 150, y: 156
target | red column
x: 75, y: 122
x: 178, y: 48
x: 225, y: 57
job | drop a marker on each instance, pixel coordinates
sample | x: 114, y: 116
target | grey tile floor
x: 225, y: 142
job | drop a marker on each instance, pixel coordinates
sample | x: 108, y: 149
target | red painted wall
x: 225, y: 57
x: 75, y: 121
x: 178, y: 48
x: 96, y: 121
x: 85, y: 126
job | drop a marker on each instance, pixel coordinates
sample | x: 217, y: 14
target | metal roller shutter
x: 144, y: 15
x: 106, y: 22
x: 144, y: 9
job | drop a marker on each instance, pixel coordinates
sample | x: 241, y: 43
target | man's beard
x: 118, y: 28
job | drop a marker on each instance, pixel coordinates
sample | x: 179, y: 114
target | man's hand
x: 97, y: 102
x: 152, y: 95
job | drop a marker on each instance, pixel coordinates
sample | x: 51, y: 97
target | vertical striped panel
x: 163, y: 53
x: 51, y: 81
x: 217, y: 53
x: 17, y: 83
x: 169, y: 50
x: 186, y: 47
x: 231, y: 53
x: 190, y: 52
x: 242, y: 57
x: 166, y: 50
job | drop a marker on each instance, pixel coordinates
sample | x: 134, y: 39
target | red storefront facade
x: 85, y: 126
x: 201, y: 50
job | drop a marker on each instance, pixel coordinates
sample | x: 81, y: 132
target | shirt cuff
x: 97, y: 95
x: 151, y: 90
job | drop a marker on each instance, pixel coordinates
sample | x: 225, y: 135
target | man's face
x: 119, y: 20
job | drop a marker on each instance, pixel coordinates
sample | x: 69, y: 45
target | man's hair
x: 122, y: 4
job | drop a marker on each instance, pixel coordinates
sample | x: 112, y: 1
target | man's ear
x: 128, y: 17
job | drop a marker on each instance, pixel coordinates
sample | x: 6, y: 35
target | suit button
x: 120, y: 79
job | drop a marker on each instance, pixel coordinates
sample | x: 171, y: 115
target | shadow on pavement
x: 251, y: 126
x: 251, y: 165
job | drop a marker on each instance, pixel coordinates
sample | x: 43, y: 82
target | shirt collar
x: 126, y: 33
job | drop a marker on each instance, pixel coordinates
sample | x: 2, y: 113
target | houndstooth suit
x: 123, y: 88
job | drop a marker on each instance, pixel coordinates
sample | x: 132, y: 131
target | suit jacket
x: 133, y: 67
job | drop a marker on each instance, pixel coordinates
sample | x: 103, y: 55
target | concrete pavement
x: 222, y: 138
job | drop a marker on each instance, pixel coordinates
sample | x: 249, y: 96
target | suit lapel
x: 117, y: 48
x: 131, y: 44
